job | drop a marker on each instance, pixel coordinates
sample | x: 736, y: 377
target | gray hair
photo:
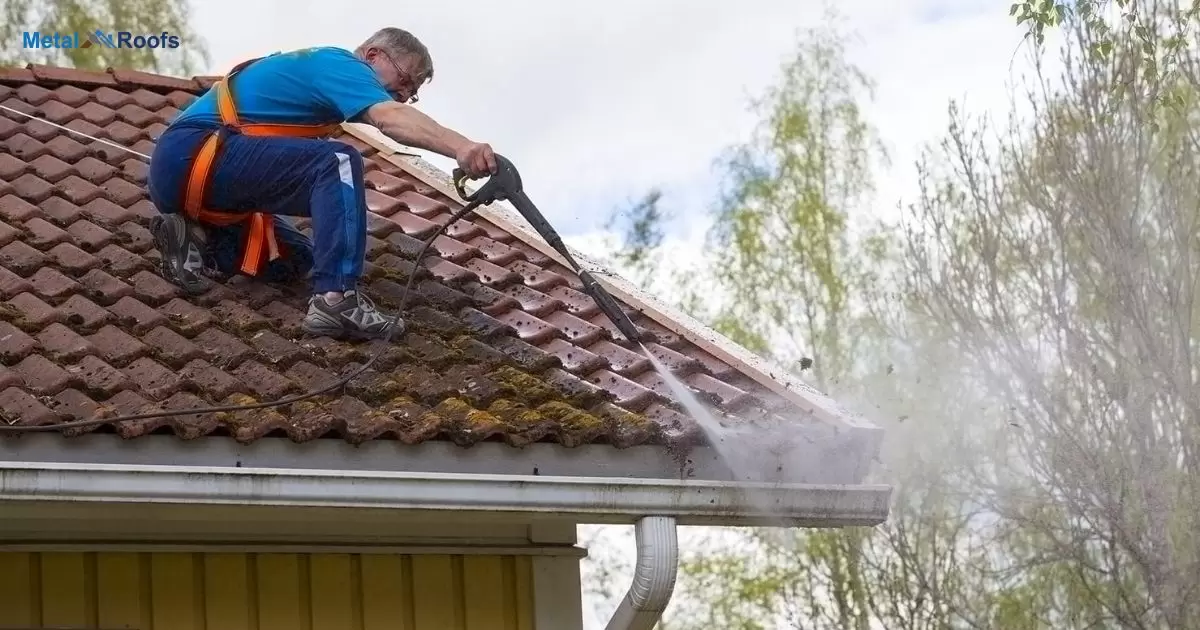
x: 399, y: 42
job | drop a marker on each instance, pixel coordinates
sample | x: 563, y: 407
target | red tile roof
x: 502, y: 344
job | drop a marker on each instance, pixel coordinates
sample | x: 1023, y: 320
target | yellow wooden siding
x: 264, y: 591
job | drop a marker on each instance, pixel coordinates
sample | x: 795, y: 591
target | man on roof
x: 254, y: 150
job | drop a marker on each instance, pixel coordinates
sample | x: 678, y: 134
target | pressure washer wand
x: 505, y: 184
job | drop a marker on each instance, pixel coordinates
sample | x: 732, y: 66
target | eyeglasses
x: 407, y: 78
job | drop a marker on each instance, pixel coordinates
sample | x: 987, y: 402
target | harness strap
x: 260, y: 245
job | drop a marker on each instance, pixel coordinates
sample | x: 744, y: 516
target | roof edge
x: 114, y: 77
x: 579, y: 499
x: 773, y: 377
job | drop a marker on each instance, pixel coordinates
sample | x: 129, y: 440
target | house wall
x: 201, y: 590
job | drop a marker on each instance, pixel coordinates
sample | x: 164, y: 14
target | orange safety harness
x: 260, y: 243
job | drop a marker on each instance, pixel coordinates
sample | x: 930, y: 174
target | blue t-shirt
x: 315, y: 86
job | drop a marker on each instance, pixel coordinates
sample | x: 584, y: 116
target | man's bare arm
x: 408, y: 125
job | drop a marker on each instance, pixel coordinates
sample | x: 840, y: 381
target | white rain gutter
x: 653, y: 576
x: 580, y: 499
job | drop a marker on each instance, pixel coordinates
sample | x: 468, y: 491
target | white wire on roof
x: 78, y: 133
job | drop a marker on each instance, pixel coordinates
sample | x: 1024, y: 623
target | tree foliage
x: 1162, y: 31
x: 644, y: 233
x: 780, y: 239
x: 140, y: 17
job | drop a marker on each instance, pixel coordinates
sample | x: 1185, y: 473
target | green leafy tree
x: 1162, y: 31
x: 780, y: 238
x: 86, y: 16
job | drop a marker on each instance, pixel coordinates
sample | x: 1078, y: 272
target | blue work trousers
x: 298, y: 177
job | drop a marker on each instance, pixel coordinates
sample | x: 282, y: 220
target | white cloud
x: 598, y: 102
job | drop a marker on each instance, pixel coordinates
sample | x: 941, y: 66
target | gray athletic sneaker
x: 355, y: 317
x: 181, y: 260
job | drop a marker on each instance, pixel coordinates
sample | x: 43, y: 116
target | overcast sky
x: 597, y: 102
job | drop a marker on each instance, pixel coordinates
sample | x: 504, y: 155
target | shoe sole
x: 164, y: 239
x: 343, y: 334
x: 351, y: 334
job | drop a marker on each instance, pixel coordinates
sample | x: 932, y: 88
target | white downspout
x: 653, y: 577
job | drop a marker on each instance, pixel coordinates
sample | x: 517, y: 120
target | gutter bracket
x: 653, y: 576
